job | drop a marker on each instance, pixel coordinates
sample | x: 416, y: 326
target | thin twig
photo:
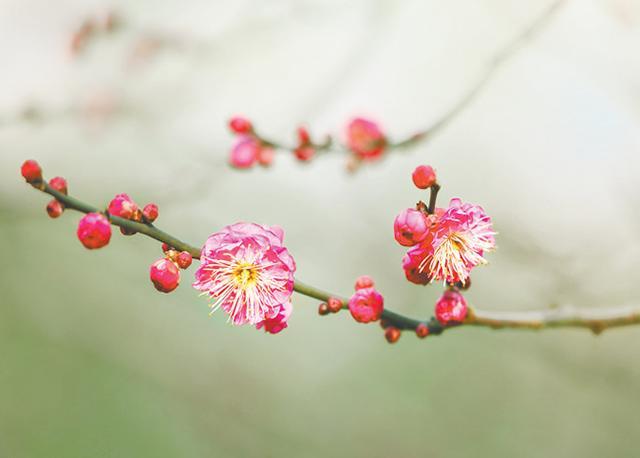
x: 495, y: 64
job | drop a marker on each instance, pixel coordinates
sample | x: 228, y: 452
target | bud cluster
x: 249, y: 148
x: 333, y: 305
x: 94, y: 228
x: 124, y: 207
x: 165, y: 272
x: 364, y: 140
x: 32, y: 173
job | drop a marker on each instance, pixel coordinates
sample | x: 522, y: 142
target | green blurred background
x: 95, y: 363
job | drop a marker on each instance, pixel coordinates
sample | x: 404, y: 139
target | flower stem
x: 433, y: 196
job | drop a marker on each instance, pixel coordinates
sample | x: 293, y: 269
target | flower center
x: 245, y: 274
x: 453, y: 258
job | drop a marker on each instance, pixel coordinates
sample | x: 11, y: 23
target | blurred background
x: 94, y: 362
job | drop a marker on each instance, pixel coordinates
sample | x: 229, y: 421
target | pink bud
x: 54, y: 208
x: 266, y: 156
x: 245, y: 152
x: 304, y: 153
x: 451, y: 308
x: 365, y: 139
x: 364, y: 281
x: 150, y: 212
x: 164, y: 275
x: 422, y: 330
x: 303, y: 136
x: 184, y: 259
x: 411, y: 227
x: 240, y: 125
x: 392, y: 334
x: 323, y: 309
x: 411, y: 265
x: 122, y: 206
x: 59, y: 184
x: 366, y: 305
x: 424, y: 176
x: 31, y: 171
x: 334, y: 304
x: 94, y: 231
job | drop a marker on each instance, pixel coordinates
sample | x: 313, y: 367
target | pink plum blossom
x: 248, y: 272
x: 461, y: 236
x: 457, y: 241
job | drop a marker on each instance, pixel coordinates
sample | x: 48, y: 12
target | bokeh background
x: 94, y: 362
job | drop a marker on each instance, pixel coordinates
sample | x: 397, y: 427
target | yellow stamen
x: 245, y: 274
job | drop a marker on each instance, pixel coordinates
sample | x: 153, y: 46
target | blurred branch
x: 596, y: 320
x: 495, y: 64
x: 500, y: 58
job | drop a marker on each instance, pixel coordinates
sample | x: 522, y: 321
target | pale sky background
x: 550, y: 148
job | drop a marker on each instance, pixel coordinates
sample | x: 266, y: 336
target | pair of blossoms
x: 247, y: 271
x: 445, y: 245
x: 364, y: 139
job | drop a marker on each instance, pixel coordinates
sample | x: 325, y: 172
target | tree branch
x: 595, y: 319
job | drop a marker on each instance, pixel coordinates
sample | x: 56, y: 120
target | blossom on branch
x: 247, y: 271
x: 456, y: 243
x: 460, y: 238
